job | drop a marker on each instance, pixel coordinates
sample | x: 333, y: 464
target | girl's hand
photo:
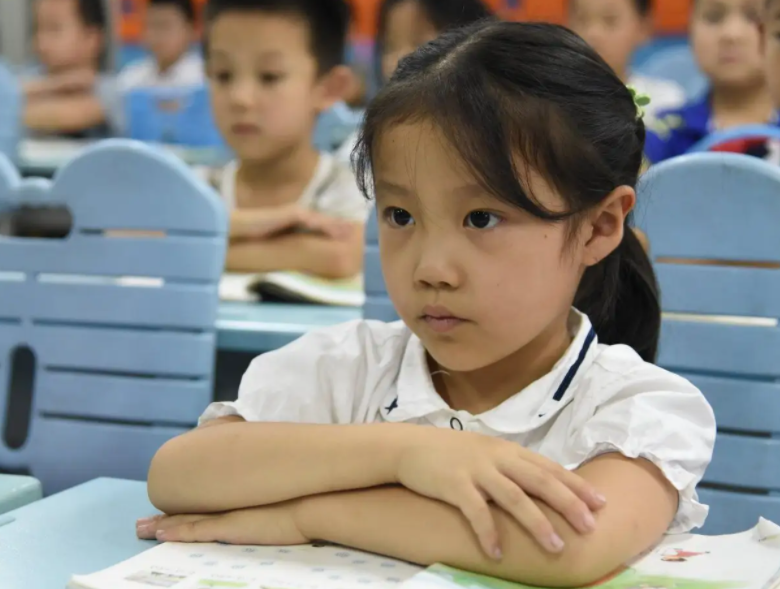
x: 272, y: 525
x: 469, y: 470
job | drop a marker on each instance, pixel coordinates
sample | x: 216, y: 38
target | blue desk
x: 262, y: 327
x: 80, y: 531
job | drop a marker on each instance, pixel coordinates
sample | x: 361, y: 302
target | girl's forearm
x: 240, y: 465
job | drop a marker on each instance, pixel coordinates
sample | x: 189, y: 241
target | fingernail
x: 588, y: 521
x: 556, y: 543
x: 144, y: 521
x: 162, y: 535
x: 600, y: 499
x: 498, y: 554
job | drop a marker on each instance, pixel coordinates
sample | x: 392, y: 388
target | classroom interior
x: 127, y: 303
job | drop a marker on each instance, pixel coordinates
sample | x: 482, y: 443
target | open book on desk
x: 750, y: 560
x: 292, y: 287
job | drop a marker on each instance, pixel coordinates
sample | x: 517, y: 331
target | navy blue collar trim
x: 575, y: 367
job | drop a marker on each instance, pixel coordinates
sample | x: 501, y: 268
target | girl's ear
x: 607, y: 224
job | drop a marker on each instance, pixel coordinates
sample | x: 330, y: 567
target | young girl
x: 505, y: 426
x: 726, y: 39
x: 404, y: 25
x: 616, y: 29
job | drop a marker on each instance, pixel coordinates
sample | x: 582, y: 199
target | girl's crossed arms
x: 503, y: 158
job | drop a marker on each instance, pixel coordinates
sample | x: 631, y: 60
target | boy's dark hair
x: 643, y: 7
x: 93, y: 13
x: 499, y: 90
x: 328, y: 22
x: 186, y: 7
x: 443, y: 14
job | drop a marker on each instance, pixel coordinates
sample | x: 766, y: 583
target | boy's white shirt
x: 369, y: 372
x: 331, y: 191
x: 188, y: 71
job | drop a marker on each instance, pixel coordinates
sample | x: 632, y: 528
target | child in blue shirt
x: 726, y: 39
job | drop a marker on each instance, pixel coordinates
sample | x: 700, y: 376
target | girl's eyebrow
x: 465, y: 191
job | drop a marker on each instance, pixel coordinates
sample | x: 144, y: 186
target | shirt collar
x: 416, y: 397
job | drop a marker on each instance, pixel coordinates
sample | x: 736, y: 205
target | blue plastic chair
x: 677, y: 64
x: 378, y: 305
x: 10, y: 112
x: 121, y: 366
x: 173, y: 116
x: 735, y: 134
x: 335, y: 126
x: 724, y: 207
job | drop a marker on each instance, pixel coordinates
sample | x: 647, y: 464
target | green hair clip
x: 640, y: 100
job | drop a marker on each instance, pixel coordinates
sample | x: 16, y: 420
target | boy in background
x: 771, y: 31
x: 67, y: 95
x: 169, y: 32
x: 273, y: 67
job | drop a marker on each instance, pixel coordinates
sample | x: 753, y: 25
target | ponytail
x: 620, y: 296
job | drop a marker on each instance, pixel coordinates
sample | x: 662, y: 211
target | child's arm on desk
x: 63, y: 114
x: 309, y: 253
x: 399, y: 523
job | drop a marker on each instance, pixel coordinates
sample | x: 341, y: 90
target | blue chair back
x: 119, y: 316
x: 176, y: 116
x: 677, y: 64
x: 720, y: 327
x: 10, y: 112
x: 759, y: 132
x: 378, y: 305
x: 335, y: 126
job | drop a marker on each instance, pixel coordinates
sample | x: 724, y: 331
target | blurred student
x: 405, y: 25
x: 616, y: 29
x: 726, y: 39
x: 169, y: 32
x: 273, y: 67
x: 66, y: 94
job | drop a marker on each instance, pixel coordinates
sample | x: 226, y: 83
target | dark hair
x: 643, y: 7
x: 186, y: 7
x: 328, y: 21
x: 498, y: 90
x: 92, y: 13
x: 443, y: 14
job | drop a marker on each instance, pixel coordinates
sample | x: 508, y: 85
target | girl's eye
x: 270, y: 78
x: 398, y: 217
x: 481, y: 220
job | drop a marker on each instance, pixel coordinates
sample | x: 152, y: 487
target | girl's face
x: 476, y: 279
x: 773, y: 50
x: 726, y: 39
x: 614, y: 28
x: 407, y: 27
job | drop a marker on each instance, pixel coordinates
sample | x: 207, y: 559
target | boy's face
x: 614, y: 28
x: 772, y: 29
x: 62, y: 41
x: 167, y: 34
x: 726, y: 39
x: 266, y: 91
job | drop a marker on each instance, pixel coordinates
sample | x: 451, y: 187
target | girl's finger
x: 582, y: 488
x: 476, y: 510
x: 505, y: 493
x: 546, y: 487
x: 206, y: 529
